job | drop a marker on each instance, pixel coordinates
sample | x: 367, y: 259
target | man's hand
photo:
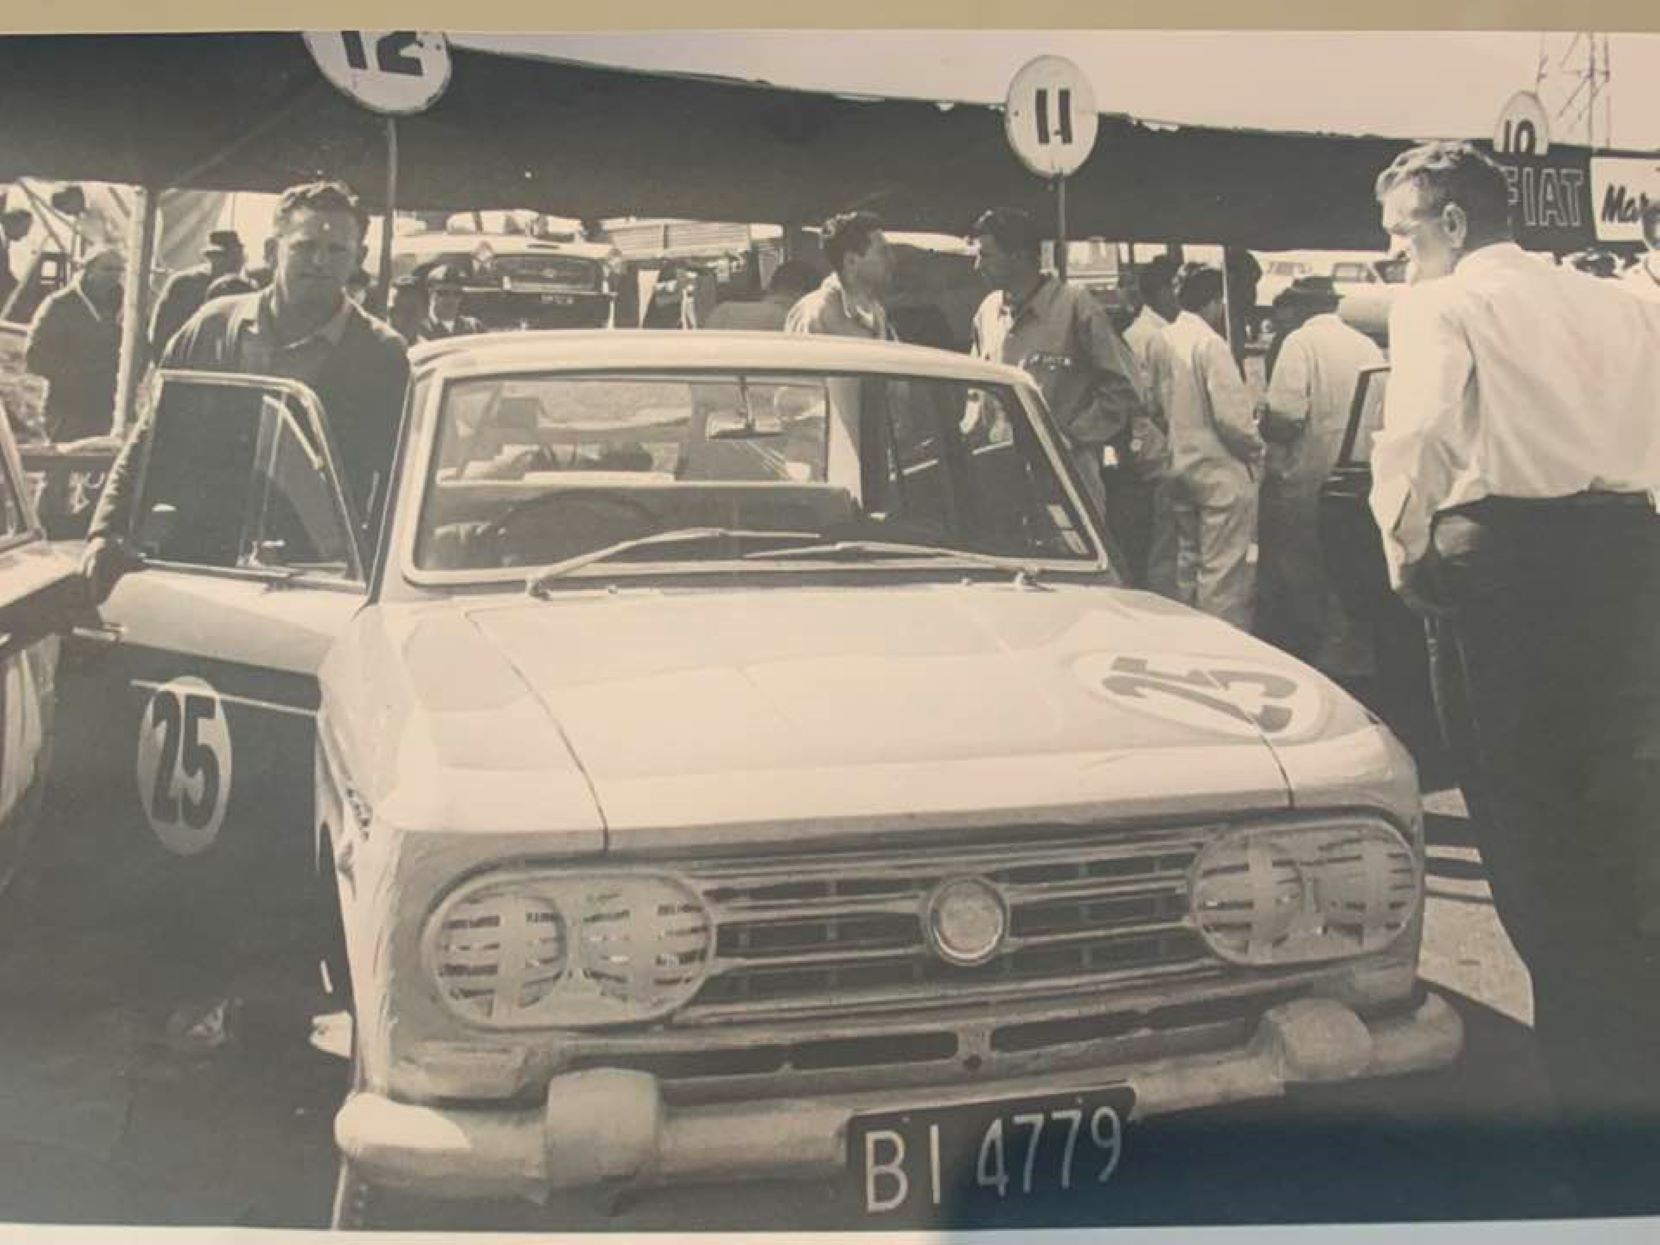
x: 103, y: 561
x: 1417, y: 590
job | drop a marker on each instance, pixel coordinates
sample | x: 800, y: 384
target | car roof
x: 501, y: 243
x: 622, y: 349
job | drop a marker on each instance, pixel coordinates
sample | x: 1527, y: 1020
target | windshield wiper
x: 537, y: 584
x: 893, y: 548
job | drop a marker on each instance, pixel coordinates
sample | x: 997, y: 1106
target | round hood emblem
x: 967, y: 921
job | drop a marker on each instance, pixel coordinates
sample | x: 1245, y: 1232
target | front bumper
x: 610, y: 1127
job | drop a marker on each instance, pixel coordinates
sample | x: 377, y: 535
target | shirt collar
x: 872, y: 317
x: 1490, y: 256
x: 331, y: 330
x: 1041, y: 294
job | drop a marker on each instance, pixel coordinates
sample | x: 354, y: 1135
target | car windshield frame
x: 427, y: 428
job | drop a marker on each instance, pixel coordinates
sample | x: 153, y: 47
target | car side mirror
x: 156, y: 531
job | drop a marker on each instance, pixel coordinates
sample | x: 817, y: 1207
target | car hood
x: 732, y: 714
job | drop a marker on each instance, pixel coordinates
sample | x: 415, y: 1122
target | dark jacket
x: 76, y: 352
x: 185, y: 293
x: 361, y: 386
x: 431, y: 330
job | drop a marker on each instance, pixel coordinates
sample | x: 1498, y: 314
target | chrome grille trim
x: 834, y: 931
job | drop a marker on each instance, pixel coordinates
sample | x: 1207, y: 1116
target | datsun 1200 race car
x: 740, y: 759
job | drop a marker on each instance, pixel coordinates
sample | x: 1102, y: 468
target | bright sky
x: 1450, y: 84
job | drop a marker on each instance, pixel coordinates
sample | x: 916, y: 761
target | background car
x: 517, y: 280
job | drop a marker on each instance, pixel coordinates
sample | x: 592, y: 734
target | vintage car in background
x: 738, y: 759
x: 517, y: 280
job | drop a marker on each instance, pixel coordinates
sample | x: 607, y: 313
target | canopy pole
x: 1060, y: 227
x: 384, y: 285
x: 135, y: 297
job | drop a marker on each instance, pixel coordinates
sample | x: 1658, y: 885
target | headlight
x: 568, y: 949
x: 1301, y: 894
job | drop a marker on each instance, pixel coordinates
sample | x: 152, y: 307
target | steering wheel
x: 543, y: 504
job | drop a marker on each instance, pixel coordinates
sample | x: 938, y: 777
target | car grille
x: 576, y: 274
x: 845, y: 931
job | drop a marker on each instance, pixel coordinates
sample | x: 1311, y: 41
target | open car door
x: 200, y: 681
x: 1399, y: 690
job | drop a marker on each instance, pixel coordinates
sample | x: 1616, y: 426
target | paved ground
x: 114, y: 1109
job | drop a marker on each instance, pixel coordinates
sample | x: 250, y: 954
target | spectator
x: 791, y: 281
x: 1214, y: 452
x: 1303, y: 421
x: 14, y: 227
x: 75, y: 346
x: 446, y: 286
x: 1061, y: 335
x: 187, y: 290
x: 848, y: 303
x: 1513, y: 482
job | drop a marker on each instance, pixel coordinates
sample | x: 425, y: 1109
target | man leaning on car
x: 302, y: 327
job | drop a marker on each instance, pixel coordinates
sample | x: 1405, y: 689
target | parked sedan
x: 741, y: 759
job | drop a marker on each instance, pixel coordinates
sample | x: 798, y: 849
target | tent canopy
x: 252, y: 112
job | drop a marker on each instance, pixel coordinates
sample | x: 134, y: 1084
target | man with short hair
x: 187, y: 290
x: 1303, y: 421
x: 791, y: 281
x: 302, y: 327
x: 1513, y: 484
x: 1643, y: 278
x: 445, y: 287
x: 1155, y: 283
x: 848, y: 303
x: 1061, y: 336
x: 75, y: 346
x: 1214, y: 452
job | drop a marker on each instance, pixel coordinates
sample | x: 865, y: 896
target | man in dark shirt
x: 187, y: 290
x: 75, y: 345
x: 302, y: 327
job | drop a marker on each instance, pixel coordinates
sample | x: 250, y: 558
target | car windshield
x: 579, y: 471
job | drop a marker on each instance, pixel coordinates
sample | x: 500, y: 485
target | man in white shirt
x: 1643, y: 278
x: 1512, y: 484
x: 1156, y: 283
x: 1303, y: 422
x: 1214, y: 453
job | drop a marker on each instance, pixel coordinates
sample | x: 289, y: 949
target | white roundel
x: 398, y: 72
x: 1049, y: 116
x: 1243, y: 698
x: 184, y: 765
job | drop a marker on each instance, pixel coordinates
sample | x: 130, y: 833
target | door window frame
x: 316, y: 439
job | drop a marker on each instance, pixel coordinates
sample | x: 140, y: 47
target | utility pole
x: 1574, y: 79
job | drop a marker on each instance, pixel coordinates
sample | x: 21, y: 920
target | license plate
x: 956, y: 1161
x: 558, y: 300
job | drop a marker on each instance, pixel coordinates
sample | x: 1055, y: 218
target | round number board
x: 391, y: 71
x: 1050, y: 116
x: 184, y: 765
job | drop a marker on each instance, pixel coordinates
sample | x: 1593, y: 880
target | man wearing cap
x: 304, y: 328
x: 408, y: 309
x: 1303, y: 421
x: 187, y: 290
x: 1061, y: 336
x: 445, y: 285
x: 1513, y: 483
x: 1643, y: 278
x: 75, y: 346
